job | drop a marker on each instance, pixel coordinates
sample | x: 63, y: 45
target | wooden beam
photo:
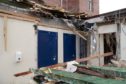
x: 17, y: 14
x: 85, y: 59
x: 5, y: 32
x: 74, y: 30
x: 94, y: 56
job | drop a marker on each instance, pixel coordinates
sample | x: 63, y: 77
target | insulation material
x: 70, y: 67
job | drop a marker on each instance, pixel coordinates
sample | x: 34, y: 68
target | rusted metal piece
x: 22, y: 73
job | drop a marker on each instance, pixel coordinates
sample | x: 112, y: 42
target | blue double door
x: 48, y: 48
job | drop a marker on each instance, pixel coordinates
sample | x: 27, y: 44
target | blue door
x: 47, y: 48
x: 69, y: 47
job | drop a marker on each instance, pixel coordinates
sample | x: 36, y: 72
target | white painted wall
x: 109, y: 28
x: 21, y: 37
x: 123, y: 42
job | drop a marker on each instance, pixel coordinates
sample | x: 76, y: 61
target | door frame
x: 60, y: 41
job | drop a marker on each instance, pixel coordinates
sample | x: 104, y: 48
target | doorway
x: 110, y: 45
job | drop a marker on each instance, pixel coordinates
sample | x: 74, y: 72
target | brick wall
x: 56, y: 3
x: 76, y: 5
x: 69, y: 5
x: 84, y: 7
x: 73, y: 5
x: 96, y: 7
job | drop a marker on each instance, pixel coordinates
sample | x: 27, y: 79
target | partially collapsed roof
x: 50, y: 11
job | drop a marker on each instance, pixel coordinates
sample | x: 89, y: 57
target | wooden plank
x: 17, y: 14
x: 18, y: 18
x: 74, y: 30
x: 5, y: 32
x: 84, y: 59
x: 94, y: 56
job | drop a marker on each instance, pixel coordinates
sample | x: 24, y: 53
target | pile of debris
x: 39, y: 7
x: 39, y: 10
x: 83, y: 75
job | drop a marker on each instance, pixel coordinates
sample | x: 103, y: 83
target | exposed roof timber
x: 57, y: 12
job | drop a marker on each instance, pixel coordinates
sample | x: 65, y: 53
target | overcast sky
x: 110, y: 5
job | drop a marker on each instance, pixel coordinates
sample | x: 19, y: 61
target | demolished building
x: 44, y: 35
x: 22, y: 34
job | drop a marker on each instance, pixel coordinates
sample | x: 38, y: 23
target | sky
x: 111, y: 5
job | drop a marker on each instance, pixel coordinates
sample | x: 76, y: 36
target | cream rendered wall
x: 21, y: 37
